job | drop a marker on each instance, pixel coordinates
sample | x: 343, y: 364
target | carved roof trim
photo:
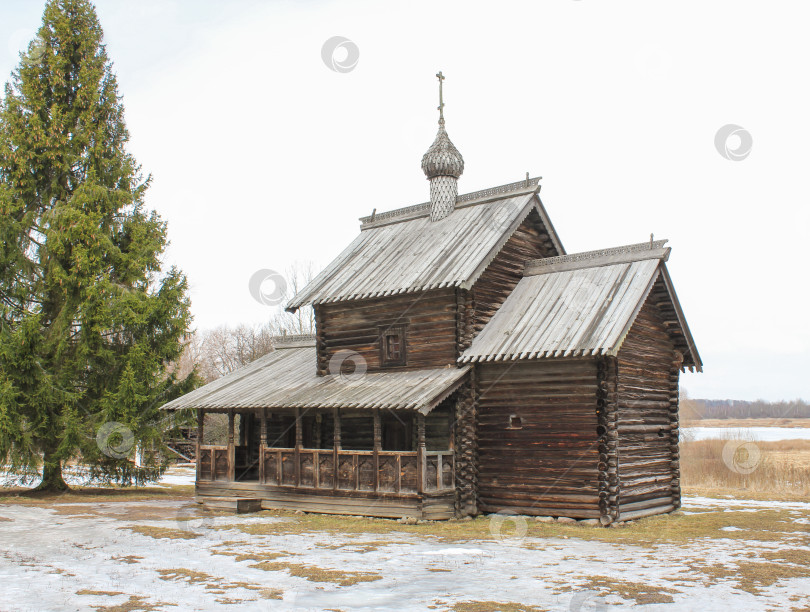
x: 603, y: 257
x: 468, y: 199
x: 293, y: 341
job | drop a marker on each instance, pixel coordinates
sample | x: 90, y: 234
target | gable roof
x: 286, y: 378
x: 580, y: 304
x: 402, y: 251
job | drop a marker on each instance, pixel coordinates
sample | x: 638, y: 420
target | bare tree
x: 302, y: 321
x: 216, y: 352
x: 224, y: 349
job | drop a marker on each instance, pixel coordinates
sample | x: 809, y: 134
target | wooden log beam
x: 231, y: 449
x: 336, y: 447
x: 197, y: 456
x: 420, y: 439
x: 299, y: 437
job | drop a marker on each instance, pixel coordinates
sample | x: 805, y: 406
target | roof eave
x: 697, y: 363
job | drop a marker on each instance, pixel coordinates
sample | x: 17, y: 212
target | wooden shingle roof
x: 286, y: 378
x: 581, y: 304
x: 402, y: 251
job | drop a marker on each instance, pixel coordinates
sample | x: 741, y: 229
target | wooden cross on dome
x: 440, y: 76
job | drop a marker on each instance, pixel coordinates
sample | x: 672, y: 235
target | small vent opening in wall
x: 515, y: 422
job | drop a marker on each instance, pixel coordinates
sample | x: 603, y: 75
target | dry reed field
x: 733, y: 423
x: 779, y: 469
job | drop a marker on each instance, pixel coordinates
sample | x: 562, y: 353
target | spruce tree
x: 89, y: 321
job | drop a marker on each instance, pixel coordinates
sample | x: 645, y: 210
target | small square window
x: 392, y: 345
x: 515, y: 422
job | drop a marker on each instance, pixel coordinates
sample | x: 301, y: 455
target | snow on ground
x: 759, y: 434
x: 84, y: 556
x: 178, y: 476
x: 737, y: 505
x: 77, y: 477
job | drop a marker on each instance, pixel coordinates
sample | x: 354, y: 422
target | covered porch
x: 393, y: 452
x: 276, y: 435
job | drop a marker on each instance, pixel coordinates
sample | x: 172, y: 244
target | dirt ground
x: 158, y: 550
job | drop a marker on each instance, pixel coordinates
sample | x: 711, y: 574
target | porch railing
x: 214, y: 463
x: 344, y: 470
x: 398, y: 472
x: 439, y: 470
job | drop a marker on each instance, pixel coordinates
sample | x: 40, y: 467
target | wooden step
x: 235, y: 504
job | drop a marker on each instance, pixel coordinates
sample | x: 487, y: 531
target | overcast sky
x: 262, y: 155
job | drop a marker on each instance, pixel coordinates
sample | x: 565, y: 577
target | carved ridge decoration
x: 423, y: 210
x: 501, y: 189
x: 588, y: 255
x: 293, y: 340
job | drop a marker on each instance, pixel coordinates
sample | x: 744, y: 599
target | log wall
x: 530, y: 241
x: 547, y: 464
x: 465, y: 445
x: 430, y: 336
x: 647, y: 424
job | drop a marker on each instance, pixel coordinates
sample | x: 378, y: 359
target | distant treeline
x: 740, y: 409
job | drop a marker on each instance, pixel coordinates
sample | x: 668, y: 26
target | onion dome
x: 442, y: 164
x: 442, y: 158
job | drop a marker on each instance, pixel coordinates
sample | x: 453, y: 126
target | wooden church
x: 463, y: 363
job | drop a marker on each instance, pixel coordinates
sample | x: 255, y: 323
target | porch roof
x: 286, y: 378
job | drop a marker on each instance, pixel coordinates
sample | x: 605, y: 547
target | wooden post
x: 316, y: 444
x: 299, y: 437
x: 421, y: 459
x: 231, y: 449
x: 377, y: 447
x: 336, y: 447
x: 197, y: 457
x: 317, y: 434
x: 262, y: 443
x: 451, y: 421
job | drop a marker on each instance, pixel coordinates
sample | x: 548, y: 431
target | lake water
x: 763, y: 434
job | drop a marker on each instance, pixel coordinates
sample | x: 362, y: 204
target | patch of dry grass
x: 493, y: 606
x: 186, y: 575
x: 130, y: 513
x: 129, y: 559
x: 318, y: 574
x: 749, y: 576
x: 733, y: 423
x: 161, y: 533
x: 642, y: 594
x: 91, y: 592
x: 364, y: 547
x: 215, y: 584
x: 763, y: 525
x: 773, y: 468
x: 136, y: 603
x: 799, y: 556
x: 92, y: 495
x: 254, y: 555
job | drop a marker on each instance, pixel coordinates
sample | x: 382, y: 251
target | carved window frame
x: 387, y: 331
